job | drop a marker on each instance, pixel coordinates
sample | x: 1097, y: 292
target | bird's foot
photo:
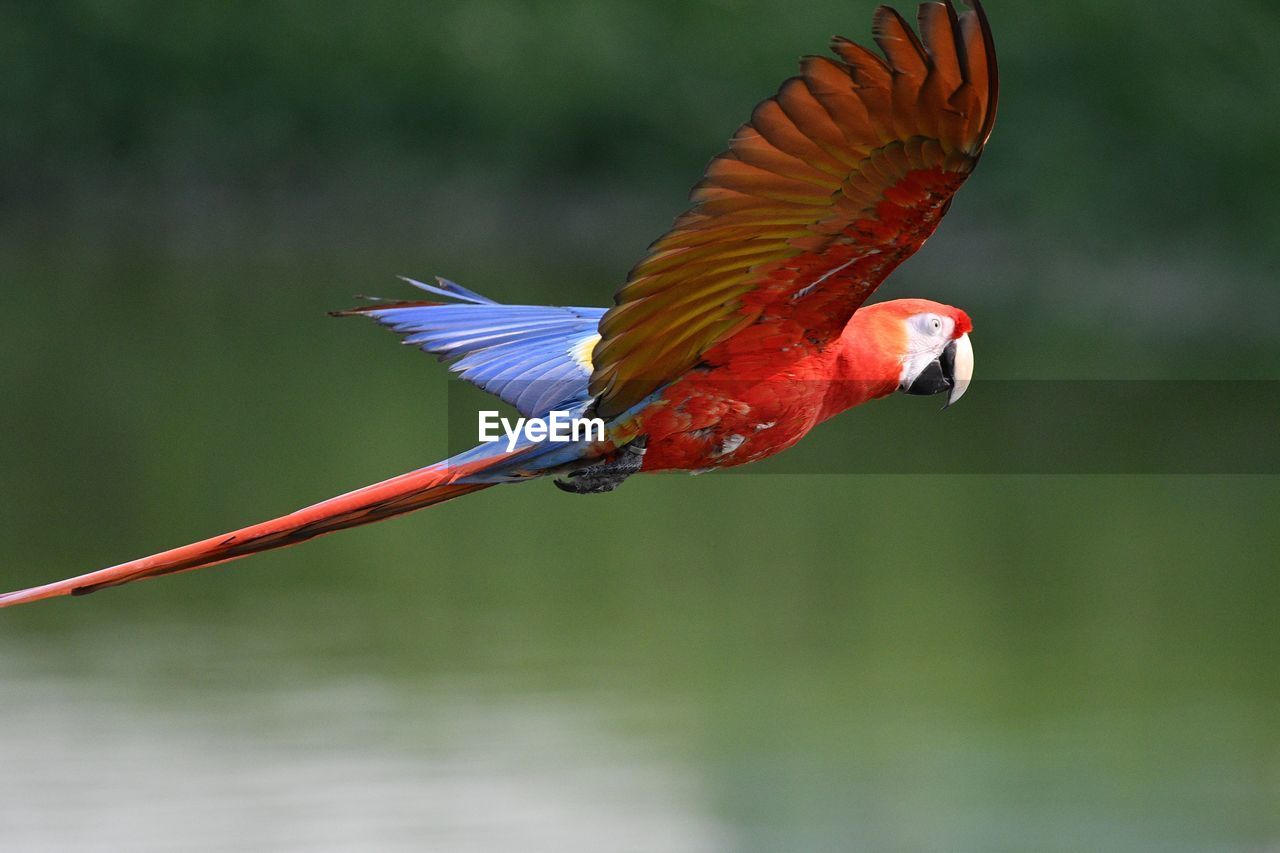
x: 606, y: 476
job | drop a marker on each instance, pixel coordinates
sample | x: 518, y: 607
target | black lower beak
x: 938, y: 377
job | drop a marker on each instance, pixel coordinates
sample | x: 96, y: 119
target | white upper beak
x: 963, y: 369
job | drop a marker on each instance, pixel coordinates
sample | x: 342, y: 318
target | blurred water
x: 912, y: 708
x: 333, y: 766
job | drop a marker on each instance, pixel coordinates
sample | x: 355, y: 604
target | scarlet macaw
x: 743, y: 326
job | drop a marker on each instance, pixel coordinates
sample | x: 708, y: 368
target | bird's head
x: 928, y: 343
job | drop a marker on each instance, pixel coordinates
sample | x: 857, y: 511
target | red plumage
x: 762, y: 402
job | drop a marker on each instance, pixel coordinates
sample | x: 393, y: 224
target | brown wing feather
x: 835, y: 181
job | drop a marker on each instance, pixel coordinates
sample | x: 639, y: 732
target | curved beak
x: 950, y: 372
x: 961, y: 350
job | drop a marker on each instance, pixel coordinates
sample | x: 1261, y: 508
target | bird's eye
x: 929, y: 324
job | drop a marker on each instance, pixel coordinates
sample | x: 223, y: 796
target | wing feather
x: 832, y: 183
x: 528, y: 355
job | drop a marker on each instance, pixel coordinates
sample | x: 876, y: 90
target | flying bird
x: 742, y: 327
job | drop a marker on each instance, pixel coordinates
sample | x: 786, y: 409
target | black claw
x: 606, y: 476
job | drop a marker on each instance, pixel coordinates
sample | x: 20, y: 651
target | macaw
x: 742, y: 327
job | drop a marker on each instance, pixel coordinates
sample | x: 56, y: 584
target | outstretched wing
x: 535, y: 357
x: 834, y: 182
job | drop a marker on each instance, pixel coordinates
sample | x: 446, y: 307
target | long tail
x: 405, y: 493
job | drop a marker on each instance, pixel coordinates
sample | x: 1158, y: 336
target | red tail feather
x: 405, y: 493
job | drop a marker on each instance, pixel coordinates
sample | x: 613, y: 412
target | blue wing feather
x: 524, y: 378
x: 559, y: 383
x: 444, y: 287
x: 534, y: 357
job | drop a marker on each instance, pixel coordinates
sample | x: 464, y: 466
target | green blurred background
x: 767, y: 663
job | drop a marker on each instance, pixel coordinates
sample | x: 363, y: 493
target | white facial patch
x: 927, y: 336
